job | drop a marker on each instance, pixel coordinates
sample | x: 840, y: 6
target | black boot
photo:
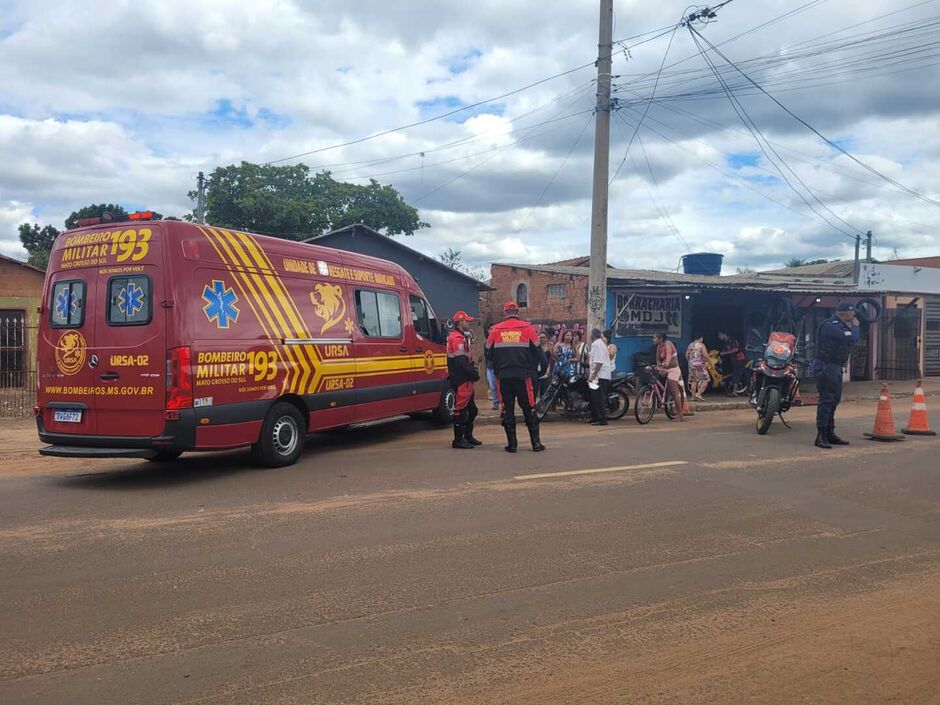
x: 534, y: 437
x: 511, y: 442
x: 468, y: 435
x: 834, y: 439
x: 822, y: 441
x: 459, y: 440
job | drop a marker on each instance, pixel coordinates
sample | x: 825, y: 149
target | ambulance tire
x: 282, y: 438
x: 443, y: 415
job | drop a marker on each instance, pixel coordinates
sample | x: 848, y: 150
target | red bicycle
x: 651, y: 396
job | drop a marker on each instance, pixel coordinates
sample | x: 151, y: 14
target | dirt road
x: 667, y: 564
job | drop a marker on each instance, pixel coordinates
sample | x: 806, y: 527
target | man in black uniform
x: 513, y: 347
x: 834, y: 342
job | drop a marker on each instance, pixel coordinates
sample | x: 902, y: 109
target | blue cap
x: 845, y: 306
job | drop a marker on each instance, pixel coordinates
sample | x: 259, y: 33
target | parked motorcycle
x: 570, y: 396
x: 721, y: 377
x: 776, y: 380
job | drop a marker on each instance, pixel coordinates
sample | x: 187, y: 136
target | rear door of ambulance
x: 130, y: 334
x: 67, y: 363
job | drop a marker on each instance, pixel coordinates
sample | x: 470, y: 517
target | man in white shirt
x: 599, y: 377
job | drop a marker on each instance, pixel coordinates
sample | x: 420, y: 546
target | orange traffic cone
x: 686, y: 409
x: 919, y: 425
x: 884, y: 420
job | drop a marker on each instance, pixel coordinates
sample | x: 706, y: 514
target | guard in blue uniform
x: 834, y: 342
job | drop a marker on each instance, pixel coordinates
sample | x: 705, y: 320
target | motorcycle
x: 571, y: 397
x: 721, y: 377
x: 776, y: 380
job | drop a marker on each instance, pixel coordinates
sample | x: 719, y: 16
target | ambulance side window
x: 420, y: 317
x: 129, y: 301
x: 379, y: 314
x: 67, y: 308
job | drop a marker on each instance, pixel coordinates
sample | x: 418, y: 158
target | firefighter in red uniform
x: 463, y: 373
x: 513, y: 348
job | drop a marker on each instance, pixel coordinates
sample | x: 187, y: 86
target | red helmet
x: 510, y: 306
x: 462, y: 316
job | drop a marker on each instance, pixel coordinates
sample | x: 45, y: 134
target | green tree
x: 798, y: 262
x: 454, y: 259
x: 95, y: 210
x: 288, y: 202
x: 38, y: 242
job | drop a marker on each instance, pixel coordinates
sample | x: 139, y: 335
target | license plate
x: 68, y: 416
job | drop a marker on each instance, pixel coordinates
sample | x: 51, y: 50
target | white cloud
x: 92, y: 112
x: 12, y: 214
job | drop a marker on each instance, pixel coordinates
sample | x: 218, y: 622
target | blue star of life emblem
x: 65, y: 304
x: 220, y: 304
x: 130, y: 299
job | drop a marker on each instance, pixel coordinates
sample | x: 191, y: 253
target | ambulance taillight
x: 179, y: 379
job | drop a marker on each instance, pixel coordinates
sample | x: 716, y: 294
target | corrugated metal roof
x: 648, y: 277
x: 838, y: 269
x: 372, y: 232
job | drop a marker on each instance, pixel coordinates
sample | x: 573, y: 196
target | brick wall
x: 16, y: 280
x: 542, y: 308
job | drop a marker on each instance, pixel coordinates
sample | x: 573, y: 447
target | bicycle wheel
x: 645, y: 404
x: 670, y: 406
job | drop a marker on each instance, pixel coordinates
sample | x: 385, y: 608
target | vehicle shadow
x: 193, y: 468
x: 143, y: 475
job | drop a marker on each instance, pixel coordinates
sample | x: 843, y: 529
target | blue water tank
x: 708, y: 263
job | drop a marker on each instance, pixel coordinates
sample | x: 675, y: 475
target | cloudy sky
x: 125, y: 102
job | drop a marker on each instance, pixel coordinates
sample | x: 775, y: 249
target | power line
x: 461, y: 141
x: 834, y: 145
x: 551, y: 181
x: 767, y: 148
x: 481, y: 163
x: 648, y: 103
x: 464, y: 108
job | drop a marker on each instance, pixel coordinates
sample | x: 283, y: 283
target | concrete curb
x: 487, y: 417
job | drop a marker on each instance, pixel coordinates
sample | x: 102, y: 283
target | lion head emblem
x: 328, y: 304
x: 70, y: 352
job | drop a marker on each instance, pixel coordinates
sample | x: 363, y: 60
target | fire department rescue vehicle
x: 160, y: 337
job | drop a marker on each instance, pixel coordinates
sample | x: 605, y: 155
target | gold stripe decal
x: 261, y: 285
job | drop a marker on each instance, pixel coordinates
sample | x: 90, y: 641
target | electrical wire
x: 648, y: 103
x: 418, y: 123
x: 481, y: 163
x: 551, y: 181
x: 458, y: 142
x: 768, y: 149
x: 834, y: 145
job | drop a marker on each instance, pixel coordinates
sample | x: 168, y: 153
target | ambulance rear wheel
x: 443, y: 415
x: 282, y: 436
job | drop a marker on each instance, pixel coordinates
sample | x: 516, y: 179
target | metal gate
x: 899, y: 354
x: 17, y: 364
x: 932, y: 335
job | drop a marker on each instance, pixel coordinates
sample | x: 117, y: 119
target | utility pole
x: 856, y: 268
x: 597, y: 281
x: 868, y: 247
x: 201, y: 198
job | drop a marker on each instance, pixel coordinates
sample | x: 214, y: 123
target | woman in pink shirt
x: 667, y: 363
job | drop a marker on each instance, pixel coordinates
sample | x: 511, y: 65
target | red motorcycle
x: 776, y: 380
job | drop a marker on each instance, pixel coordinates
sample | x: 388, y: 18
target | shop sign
x: 645, y: 314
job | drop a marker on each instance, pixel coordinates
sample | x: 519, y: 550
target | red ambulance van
x: 160, y: 337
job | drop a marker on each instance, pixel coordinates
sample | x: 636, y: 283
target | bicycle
x: 651, y: 396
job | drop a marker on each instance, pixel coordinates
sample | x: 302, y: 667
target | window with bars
x: 556, y: 291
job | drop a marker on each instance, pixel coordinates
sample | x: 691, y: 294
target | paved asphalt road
x: 703, y: 564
